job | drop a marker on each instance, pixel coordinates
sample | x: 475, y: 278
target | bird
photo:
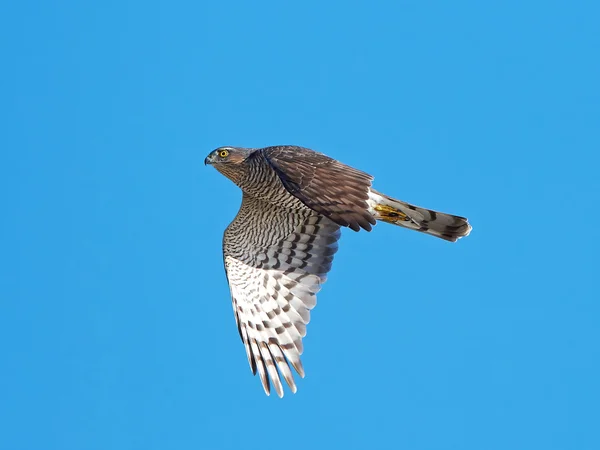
x: 280, y: 246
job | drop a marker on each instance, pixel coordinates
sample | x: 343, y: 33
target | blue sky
x: 115, y: 321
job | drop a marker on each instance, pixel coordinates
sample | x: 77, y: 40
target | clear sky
x: 116, y: 327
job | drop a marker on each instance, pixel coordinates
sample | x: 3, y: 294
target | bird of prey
x: 280, y: 246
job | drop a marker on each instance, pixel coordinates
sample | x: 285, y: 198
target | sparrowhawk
x: 280, y: 246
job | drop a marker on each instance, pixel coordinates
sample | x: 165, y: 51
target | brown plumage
x: 325, y: 185
x: 279, y: 248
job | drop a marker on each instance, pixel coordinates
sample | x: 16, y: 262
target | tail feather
x: 441, y: 225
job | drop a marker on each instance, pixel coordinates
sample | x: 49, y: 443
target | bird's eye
x: 223, y: 153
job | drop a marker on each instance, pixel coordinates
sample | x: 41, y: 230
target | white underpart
x: 375, y: 198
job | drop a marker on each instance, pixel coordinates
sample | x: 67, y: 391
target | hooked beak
x: 208, y: 159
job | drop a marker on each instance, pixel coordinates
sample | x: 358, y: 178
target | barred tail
x: 444, y: 226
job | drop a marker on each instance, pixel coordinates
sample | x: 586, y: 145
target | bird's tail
x: 396, y: 212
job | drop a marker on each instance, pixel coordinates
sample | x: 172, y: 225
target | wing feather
x: 274, y: 285
x: 324, y: 184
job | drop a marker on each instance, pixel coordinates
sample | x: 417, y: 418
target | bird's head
x: 228, y: 161
x: 226, y: 155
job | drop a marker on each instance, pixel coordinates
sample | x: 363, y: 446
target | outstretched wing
x: 276, y: 260
x: 325, y: 185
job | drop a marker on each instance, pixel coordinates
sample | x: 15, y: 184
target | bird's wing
x: 276, y: 260
x: 325, y: 185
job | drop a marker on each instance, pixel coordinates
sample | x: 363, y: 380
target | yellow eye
x: 223, y: 153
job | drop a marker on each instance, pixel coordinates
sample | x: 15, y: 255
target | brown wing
x: 325, y: 185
